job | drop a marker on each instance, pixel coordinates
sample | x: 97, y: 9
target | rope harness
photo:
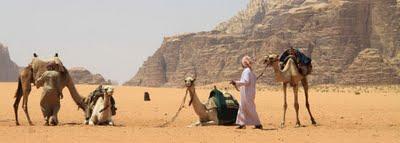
x: 177, y: 112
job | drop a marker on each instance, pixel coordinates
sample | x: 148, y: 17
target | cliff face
x: 83, y: 76
x: 340, y: 36
x: 8, y: 69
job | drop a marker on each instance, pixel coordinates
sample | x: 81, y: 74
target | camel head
x: 108, y: 90
x: 189, y: 82
x: 59, y: 65
x: 270, y: 59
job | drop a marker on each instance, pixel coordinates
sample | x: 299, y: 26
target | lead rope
x: 262, y: 73
x: 177, y: 112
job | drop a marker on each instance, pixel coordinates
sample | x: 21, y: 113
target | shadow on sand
x: 81, y: 124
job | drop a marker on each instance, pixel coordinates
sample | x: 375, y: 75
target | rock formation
x: 370, y: 67
x: 81, y: 75
x: 339, y: 35
x: 8, y: 69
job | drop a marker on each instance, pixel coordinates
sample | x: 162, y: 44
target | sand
x: 370, y: 116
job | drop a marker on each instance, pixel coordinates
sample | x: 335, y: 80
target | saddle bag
x: 227, y: 107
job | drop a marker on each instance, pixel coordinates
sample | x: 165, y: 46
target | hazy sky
x: 110, y: 37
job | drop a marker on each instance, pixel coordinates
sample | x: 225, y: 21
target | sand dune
x: 343, y: 116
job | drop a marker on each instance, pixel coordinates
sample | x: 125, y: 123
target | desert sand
x: 353, y: 114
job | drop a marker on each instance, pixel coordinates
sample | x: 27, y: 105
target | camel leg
x: 195, y: 124
x: 46, y: 121
x: 296, y: 103
x: 25, y: 106
x: 16, y: 104
x: 111, y: 123
x: 93, y: 120
x: 18, y: 95
x: 305, y: 86
x: 284, y: 105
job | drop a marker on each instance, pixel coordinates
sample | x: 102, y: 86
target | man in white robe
x: 247, y: 114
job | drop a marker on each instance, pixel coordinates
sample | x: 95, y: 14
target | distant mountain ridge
x: 8, y: 69
x: 81, y: 75
x: 350, y: 42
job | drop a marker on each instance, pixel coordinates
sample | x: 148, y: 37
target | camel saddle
x: 303, y: 62
x: 227, y: 106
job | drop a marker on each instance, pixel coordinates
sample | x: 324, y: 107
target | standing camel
x: 31, y: 73
x: 290, y: 74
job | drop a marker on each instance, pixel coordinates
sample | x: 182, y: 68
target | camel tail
x: 19, y: 89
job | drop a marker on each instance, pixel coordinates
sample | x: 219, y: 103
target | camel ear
x: 56, y: 55
x: 35, y: 55
x: 195, y: 76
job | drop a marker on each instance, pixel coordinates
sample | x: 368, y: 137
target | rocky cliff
x: 347, y: 40
x: 81, y: 75
x: 8, y: 69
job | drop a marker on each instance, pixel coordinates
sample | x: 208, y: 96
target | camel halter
x: 177, y: 112
x: 265, y: 68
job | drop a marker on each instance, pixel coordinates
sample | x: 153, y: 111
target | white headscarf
x: 247, y: 62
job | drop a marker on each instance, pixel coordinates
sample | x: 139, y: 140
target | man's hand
x: 232, y: 82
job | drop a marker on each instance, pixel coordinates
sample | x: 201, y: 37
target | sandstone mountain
x: 81, y: 75
x: 350, y: 42
x: 8, y: 69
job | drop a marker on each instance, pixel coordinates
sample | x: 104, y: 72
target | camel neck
x: 107, y: 102
x: 198, y: 107
x: 289, y: 73
x: 78, y: 99
x: 278, y: 73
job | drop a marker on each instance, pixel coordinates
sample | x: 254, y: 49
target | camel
x: 31, y: 73
x: 206, y: 116
x: 102, y: 114
x: 208, y: 112
x: 290, y: 74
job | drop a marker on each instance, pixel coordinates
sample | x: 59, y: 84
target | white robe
x: 247, y: 114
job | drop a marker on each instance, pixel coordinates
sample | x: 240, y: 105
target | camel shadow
x: 71, y: 124
x: 269, y: 129
x: 81, y: 124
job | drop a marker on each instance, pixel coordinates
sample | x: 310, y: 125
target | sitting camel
x: 102, y: 113
x: 290, y: 74
x: 208, y: 112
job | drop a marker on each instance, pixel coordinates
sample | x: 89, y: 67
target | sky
x: 110, y: 37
